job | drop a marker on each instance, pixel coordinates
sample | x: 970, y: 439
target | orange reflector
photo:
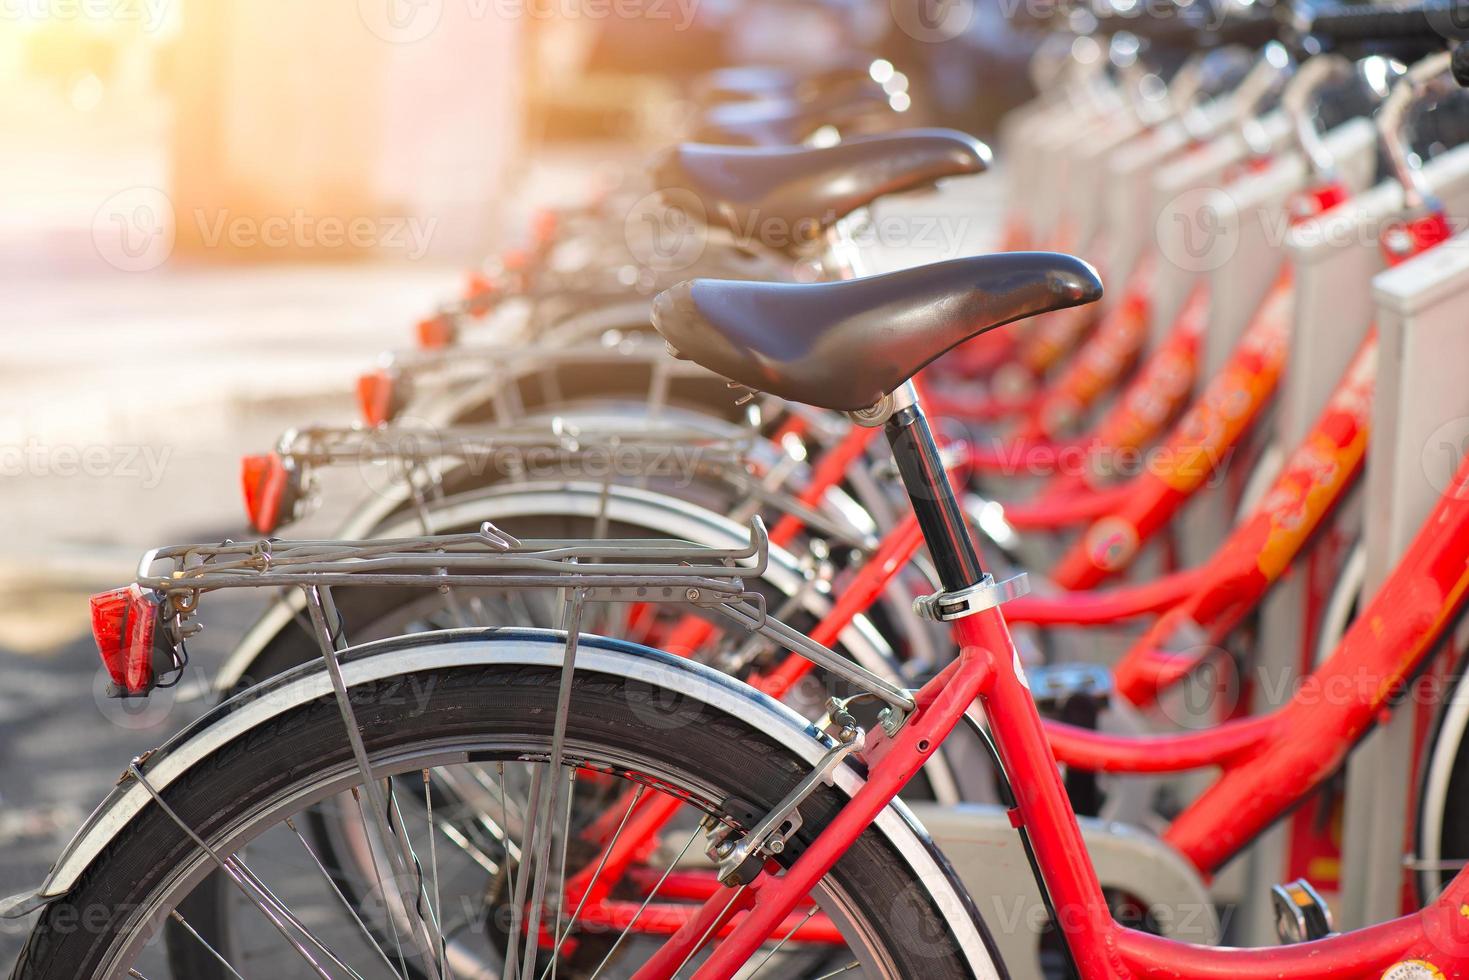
x: 271, y: 491
x: 437, y: 332
x: 377, y: 397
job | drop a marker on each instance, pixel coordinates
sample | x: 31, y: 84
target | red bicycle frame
x: 1267, y: 767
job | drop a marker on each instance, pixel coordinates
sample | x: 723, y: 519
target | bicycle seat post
x: 932, y: 495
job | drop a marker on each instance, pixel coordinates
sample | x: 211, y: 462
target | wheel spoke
x: 776, y: 948
x: 638, y: 914
x: 576, y: 603
x: 433, y: 860
x: 527, y: 842
x: 336, y: 890
x: 561, y: 885
x: 377, y: 873
x: 290, y: 917
x: 710, y: 931
x: 174, y: 915
x: 596, y: 876
x: 317, y: 599
x: 229, y: 869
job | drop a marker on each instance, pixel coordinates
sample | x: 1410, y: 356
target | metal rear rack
x: 634, y: 570
x: 338, y: 445
x: 608, y: 449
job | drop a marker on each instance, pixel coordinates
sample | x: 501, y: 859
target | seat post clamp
x: 984, y: 594
x: 875, y: 416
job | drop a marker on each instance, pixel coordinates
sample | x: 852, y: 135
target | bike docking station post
x: 1420, y: 421
x: 1182, y: 219
x: 1131, y: 208
x: 1054, y: 153
x: 1333, y: 258
x: 1084, y: 194
x: 1185, y: 221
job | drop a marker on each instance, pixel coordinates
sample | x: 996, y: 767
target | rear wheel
x: 489, y: 724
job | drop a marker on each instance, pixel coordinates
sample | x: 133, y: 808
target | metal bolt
x: 777, y: 845
x: 692, y: 595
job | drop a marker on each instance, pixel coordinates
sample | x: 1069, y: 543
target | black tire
x: 475, y: 704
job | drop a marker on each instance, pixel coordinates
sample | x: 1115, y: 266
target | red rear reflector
x: 437, y: 332
x: 376, y: 397
x: 271, y: 491
x: 125, y: 626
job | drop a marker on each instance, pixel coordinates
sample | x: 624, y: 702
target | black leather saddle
x: 785, y: 197
x: 843, y: 345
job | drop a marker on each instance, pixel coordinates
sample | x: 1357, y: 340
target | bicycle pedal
x: 1301, y: 914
